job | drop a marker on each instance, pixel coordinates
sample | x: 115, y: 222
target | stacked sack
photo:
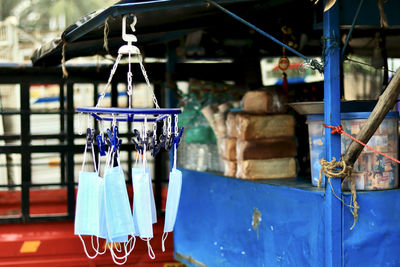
x: 260, y: 140
x: 216, y: 116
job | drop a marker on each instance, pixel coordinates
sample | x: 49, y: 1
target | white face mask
x: 173, y: 196
x: 118, y: 212
x: 87, y: 215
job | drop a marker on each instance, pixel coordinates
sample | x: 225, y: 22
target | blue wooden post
x: 333, y: 207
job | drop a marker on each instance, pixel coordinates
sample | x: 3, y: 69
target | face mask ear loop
x: 98, y: 165
x: 98, y: 246
x: 94, y: 159
x: 175, y: 156
x: 132, y: 243
x: 163, y: 238
x: 150, y: 250
x: 117, y: 244
x: 84, y: 158
x: 115, y: 257
x: 137, y: 158
x: 84, y: 248
x: 118, y: 159
x: 111, y: 247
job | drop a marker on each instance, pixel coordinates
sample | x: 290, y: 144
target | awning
x: 213, y: 33
x: 199, y: 30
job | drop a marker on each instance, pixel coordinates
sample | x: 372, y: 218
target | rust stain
x: 256, y: 221
x: 189, y: 259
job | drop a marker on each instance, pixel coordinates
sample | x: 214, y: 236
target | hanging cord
x: 106, y: 31
x: 64, y: 69
x: 331, y: 170
x: 351, y: 28
x: 339, y: 169
x: 366, y: 64
x: 113, y: 70
x: 147, y: 81
x: 383, y: 19
x: 314, y: 64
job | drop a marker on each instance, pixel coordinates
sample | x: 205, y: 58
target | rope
x: 64, y: 69
x: 339, y: 130
x: 339, y: 169
x: 336, y: 169
x: 313, y: 63
x: 106, y: 31
x: 383, y: 20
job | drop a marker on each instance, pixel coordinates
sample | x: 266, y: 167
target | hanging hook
x: 129, y: 38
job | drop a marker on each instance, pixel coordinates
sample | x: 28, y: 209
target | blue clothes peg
x: 177, y: 139
x: 101, y: 145
x: 89, y: 137
x: 114, y: 141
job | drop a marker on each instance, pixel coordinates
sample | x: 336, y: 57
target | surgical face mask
x: 138, y: 171
x: 142, y: 211
x: 142, y: 203
x: 173, y: 196
x: 87, y: 215
x: 117, y: 208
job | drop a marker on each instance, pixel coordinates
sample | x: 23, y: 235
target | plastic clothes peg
x: 113, y: 137
x: 101, y: 145
x: 177, y: 139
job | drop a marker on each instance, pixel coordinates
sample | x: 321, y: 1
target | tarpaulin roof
x: 161, y: 21
x: 200, y: 29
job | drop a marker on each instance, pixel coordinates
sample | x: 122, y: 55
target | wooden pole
x: 385, y: 104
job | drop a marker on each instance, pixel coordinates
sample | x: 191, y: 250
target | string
x: 106, y: 31
x: 64, y: 69
x: 339, y: 130
x: 366, y: 64
x: 313, y: 63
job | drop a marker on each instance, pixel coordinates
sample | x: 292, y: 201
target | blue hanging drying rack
x: 130, y: 114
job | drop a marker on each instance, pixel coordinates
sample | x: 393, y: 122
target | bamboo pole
x: 385, y: 104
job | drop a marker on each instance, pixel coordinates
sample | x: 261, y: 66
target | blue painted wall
x: 375, y: 240
x: 214, y: 224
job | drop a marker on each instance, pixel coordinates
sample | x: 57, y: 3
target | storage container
x: 371, y: 171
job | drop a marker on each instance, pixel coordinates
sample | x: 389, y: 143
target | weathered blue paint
x: 214, y: 223
x: 333, y: 220
x: 375, y: 239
